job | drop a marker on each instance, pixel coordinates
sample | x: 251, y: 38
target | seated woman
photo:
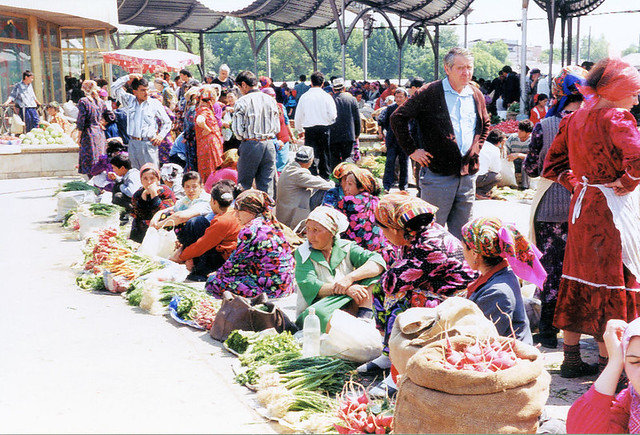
x: 430, y: 267
x: 263, y: 260
x: 600, y: 409
x: 334, y: 195
x: 333, y: 273
x: 148, y: 200
x: 205, y: 247
x: 195, y: 203
x: 502, y: 255
x: 228, y: 170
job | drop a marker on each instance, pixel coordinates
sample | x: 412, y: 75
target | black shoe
x: 196, y: 278
x: 578, y: 371
x: 550, y: 342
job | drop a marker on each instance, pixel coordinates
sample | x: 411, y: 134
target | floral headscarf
x: 258, y: 202
x: 365, y: 178
x: 330, y: 218
x: 343, y: 169
x: 566, y: 83
x: 396, y: 209
x: 619, y: 80
x: 490, y: 237
x: 210, y: 92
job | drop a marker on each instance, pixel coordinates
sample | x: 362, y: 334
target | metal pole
x: 551, y: 14
x: 400, y: 53
x: 364, y: 56
x: 344, y: 43
x: 569, y: 40
x: 436, y: 52
x: 314, y: 39
x: 255, y: 52
x: 201, y: 47
x: 563, y: 26
x: 578, y: 43
x: 466, y: 43
x: 266, y: 27
x: 523, y: 58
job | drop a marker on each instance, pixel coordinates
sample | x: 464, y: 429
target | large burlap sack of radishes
x: 418, y: 327
x: 488, y: 394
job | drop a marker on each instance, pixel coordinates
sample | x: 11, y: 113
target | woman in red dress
x: 208, y: 135
x: 596, y: 155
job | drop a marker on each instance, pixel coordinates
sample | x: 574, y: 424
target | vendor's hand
x: 421, y: 157
x: 133, y: 76
x: 153, y: 189
x: 618, y: 188
x: 341, y: 286
x: 189, y: 265
x: 112, y: 176
x: 156, y: 140
x: 358, y: 293
x: 512, y: 157
x: 613, y: 341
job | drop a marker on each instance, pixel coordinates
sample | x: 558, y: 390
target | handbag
x: 238, y: 312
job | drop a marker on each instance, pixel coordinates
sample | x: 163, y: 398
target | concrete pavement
x: 76, y: 362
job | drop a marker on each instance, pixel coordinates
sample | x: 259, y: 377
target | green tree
x: 631, y: 50
x: 544, y: 56
x: 599, y: 48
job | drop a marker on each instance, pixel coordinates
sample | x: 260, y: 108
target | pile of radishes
x: 359, y: 415
x: 482, y: 356
x: 507, y: 127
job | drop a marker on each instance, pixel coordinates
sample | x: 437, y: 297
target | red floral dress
x: 601, y: 145
x: 209, y: 145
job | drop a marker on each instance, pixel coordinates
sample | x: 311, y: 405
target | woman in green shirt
x: 332, y: 273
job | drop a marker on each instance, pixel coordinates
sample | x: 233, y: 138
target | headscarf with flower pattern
x: 365, y: 178
x: 632, y: 330
x: 490, y: 237
x: 566, y: 83
x: 396, y: 209
x: 258, y: 202
x: 343, y: 169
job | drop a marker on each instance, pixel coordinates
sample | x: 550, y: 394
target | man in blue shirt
x: 454, y: 123
x: 25, y: 99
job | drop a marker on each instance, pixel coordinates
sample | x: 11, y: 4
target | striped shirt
x: 255, y: 116
x: 142, y: 117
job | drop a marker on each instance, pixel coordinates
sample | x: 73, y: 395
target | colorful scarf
x: 330, y: 218
x: 396, y: 209
x: 619, y: 80
x: 567, y: 82
x: 490, y: 237
x: 150, y: 167
x: 365, y: 178
x: 258, y: 202
x: 343, y: 169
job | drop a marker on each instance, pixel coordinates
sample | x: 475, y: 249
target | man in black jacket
x: 344, y: 131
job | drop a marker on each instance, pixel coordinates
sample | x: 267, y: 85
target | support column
x: 344, y: 40
x: 569, y: 40
x: 365, y: 54
x: 523, y: 58
x: 436, y: 52
x: 563, y: 25
x: 314, y: 40
x: 578, y: 43
x: 266, y: 27
x: 36, y: 58
x: 400, y: 45
x: 255, y: 52
x: 203, y: 70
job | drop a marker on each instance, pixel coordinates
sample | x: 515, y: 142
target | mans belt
x: 140, y: 138
x: 259, y: 140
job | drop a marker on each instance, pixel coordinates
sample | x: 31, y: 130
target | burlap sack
x: 417, y: 327
x: 432, y: 399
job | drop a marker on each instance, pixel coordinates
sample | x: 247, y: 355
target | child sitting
x: 127, y: 180
x: 517, y: 147
x: 195, y: 203
x: 55, y: 117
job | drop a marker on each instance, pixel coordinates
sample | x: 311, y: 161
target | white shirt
x: 316, y: 107
x: 142, y: 118
x: 489, y: 159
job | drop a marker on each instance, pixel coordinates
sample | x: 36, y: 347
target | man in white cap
x: 299, y: 191
x: 344, y: 132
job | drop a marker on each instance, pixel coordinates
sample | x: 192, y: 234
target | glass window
x: 95, y: 39
x: 14, y: 59
x: 12, y: 27
x: 73, y: 63
x: 72, y: 38
x: 43, y: 35
x: 96, y: 65
x: 46, y: 76
x: 53, y: 35
x: 56, y: 69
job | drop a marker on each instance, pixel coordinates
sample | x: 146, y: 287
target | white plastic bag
x: 508, y: 172
x: 17, y: 124
x: 69, y: 200
x: 90, y: 224
x: 351, y: 338
x: 160, y: 243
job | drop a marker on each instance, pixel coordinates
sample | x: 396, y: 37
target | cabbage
x: 22, y: 136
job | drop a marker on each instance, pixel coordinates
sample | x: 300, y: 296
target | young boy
x: 517, y: 149
x: 127, y: 180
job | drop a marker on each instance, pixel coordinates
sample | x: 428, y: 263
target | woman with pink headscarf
x: 596, y: 156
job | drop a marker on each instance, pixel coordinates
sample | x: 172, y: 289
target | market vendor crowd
x: 262, y: 186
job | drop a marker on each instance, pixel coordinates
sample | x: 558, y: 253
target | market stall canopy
x: 570, y: 8
x: 150, y: 61
x: 429, y: 11
x: 182, y: 15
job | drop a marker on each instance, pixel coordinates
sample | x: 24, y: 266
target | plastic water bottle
x: 311, y: 337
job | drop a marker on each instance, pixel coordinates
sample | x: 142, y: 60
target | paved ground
x: 76, y: 362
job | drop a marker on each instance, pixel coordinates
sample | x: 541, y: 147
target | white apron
x: 626, y: 218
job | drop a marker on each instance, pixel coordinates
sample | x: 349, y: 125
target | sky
x: 621, y: 30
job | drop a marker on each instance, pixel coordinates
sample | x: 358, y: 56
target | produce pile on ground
x: 507, y: 127
x: 482, y: 356
x: 52, y: 135
x: 374, y: 164
x: 314, y: 395
x: 507, y: 193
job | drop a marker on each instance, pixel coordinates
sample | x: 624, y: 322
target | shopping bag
x: 508, y: 172
x: 158, y: 243
x: 17, y: 124
x: 351, y: 338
